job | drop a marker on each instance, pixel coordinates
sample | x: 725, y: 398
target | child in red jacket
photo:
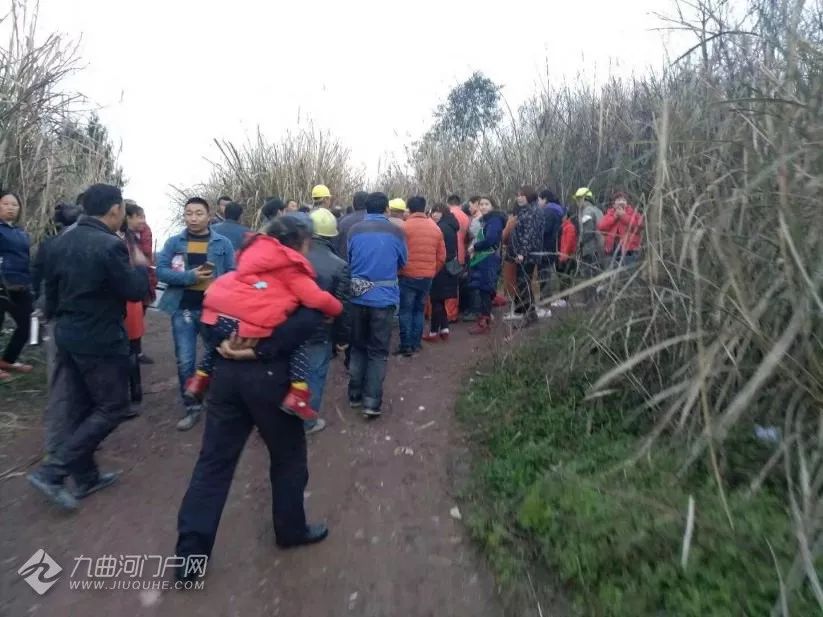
x: 273, y: 278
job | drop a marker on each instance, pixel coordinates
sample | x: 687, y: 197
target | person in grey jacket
x: 332, y: 276
x: 591, y: 240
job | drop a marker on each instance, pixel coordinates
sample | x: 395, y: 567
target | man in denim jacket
x: 188, y: 263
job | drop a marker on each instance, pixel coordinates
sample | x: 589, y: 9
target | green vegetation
x: 550, y: 494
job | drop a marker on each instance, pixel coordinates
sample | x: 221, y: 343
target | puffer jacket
x: 567, y: 244
x: 270, y: 283
x: 484, y: 267
x: 527, y: 237
x: 624, y: 234
x: 427, y: 250
x: 14, y: 253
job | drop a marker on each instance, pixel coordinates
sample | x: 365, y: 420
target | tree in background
x: 471, y: 108
x: 50, y: 148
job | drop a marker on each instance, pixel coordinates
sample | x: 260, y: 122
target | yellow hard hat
x: 320, y: 191
x: 325, y: 224
x: 584, y: 193
x: 397, y: 204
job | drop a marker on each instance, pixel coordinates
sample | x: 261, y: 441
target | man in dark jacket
x: 526, y: 244
x: 65, y: 219
x: 88, y: 280
x: 553, y: 214
x: 332, y: 276
x: 349, y: 221
x: 231, y: 227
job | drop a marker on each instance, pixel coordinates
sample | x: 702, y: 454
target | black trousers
x: 524, y: 302
x: 89, y: 397
x: 18, y: 304
x: 135, y: 378
x: 244, y: 395
x: 439, y: 320
x: 484, y: 302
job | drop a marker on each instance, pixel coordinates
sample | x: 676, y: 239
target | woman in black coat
x: 445, y: 283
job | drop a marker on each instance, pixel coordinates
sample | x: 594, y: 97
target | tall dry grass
x: 721, y: 327
x: 51, y: 144
x: 287, y: 168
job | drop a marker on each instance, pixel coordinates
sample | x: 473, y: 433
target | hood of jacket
x: 494, y: 214
x: 264, y: 254
x: 557, y: 208
x: 449, y: 221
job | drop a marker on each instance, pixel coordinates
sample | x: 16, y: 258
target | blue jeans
x: 413, y: 294
x: 319, y: 356
x: 185, y: 328
x: 371, y: 330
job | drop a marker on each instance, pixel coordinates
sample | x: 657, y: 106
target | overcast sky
x: 173, y: 75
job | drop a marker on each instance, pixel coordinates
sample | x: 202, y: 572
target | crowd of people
x: 258, y: 313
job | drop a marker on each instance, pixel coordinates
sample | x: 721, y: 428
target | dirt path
x: 384, y: 487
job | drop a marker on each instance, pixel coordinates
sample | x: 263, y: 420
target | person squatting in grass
x: 272, y: 280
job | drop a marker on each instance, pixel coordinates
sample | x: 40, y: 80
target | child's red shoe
x: 444, y: 334
x: 431, y: 337
x: 499, y: 301
x: 296, y: 403
x: 196, y: 386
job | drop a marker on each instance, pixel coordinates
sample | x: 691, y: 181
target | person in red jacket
x: 622, y: 228
x: 272, y: 280
x: 141, y: 232
x: 566, y: 256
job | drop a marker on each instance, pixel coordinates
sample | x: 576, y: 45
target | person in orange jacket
x: 622, y: 228
x: 427, y: 255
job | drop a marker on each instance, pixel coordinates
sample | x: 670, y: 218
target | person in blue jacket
x: 485, y: 262
x: 377, y: 251
x: 188, y: 263
x: 15, y: 283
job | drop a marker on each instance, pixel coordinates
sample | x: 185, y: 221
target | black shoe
x: 403, y: 351
x: 55, y: 491
x: 104, y: 480
x: 133, y: 412
x: 313, y: 535
x: 355, y: 404
x: 144, y: 359
x: 181, y: 577
x: 372, y: 413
